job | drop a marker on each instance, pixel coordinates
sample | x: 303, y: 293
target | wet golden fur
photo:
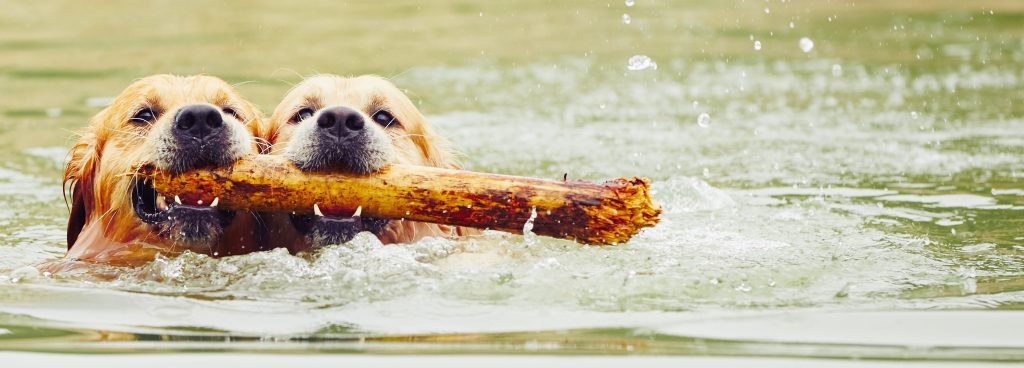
x: 413, y: 139
x: 103, y: 226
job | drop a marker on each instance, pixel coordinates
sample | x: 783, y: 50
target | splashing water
x: 529, y: 237
x: 641, y: 62
x: 806, y: 44
x: 626, y: 19
x: 757, y: 45
x: 704, y: 120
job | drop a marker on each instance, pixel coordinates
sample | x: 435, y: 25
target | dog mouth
x: 188, y: 218
x: 330, y: 226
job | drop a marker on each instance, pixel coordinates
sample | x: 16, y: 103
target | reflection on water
x: 805, y: 191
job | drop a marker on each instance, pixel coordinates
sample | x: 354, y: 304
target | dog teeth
x: 358, y: 212
x: 316, y: 210
x: 216, y: 200
x: 177, y: 199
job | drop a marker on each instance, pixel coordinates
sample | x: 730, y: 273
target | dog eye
x: 144, y: 116
x: 303, y: 114
x: 384, y: 118
x: 232, y: 112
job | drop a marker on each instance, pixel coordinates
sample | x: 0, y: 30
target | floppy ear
x: 435, y: 148
x: 258, y: 127
x: 79, y: 175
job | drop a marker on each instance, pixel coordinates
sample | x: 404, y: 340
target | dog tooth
x: 177, y: 199
x: 358, y: 212
x: 215, y: 201
x: 316, y: 210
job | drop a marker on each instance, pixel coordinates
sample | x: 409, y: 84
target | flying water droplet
x: 528, y: 235
x: 757, y: 45
x: 706, y: 173
x: 626, y: 19
x: 629, y: 3
x: 837, y: 70
x: 913, y: 115
x: 806, y: 44
x: 641, y: 62
x: 704, y: 120
x: 791, y: 25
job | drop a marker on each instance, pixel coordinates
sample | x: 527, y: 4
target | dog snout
x: 198, y: 122
x: 339, y: 122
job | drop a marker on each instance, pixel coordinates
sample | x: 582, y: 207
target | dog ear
x: 79, y: 175
x: 258, y: 127
x: 436, y: 148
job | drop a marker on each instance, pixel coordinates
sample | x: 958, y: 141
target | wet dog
x: 176, y: 124
x: 354, y: 125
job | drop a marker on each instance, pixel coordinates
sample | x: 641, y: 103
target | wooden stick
x: 590, y: 213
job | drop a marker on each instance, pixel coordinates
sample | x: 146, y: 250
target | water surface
x: 858, y: 198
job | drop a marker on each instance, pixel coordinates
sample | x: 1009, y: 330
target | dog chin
x: 193, y: 224
x: 322, y: 231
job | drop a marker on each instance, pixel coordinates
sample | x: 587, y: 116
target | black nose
x: 198, y: 121
x: 338, y: 121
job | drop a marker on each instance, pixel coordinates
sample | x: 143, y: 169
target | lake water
x: 841, y: 181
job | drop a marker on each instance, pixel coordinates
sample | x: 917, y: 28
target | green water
x: 861, y: 198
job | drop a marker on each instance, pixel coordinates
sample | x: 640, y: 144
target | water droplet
x: 641, y: 62
x: 913, y: 115
x: 629, y: 3
x: 806, y: 44
x: 757, y: 45
x: 528, y: 235
x: 626, y: 19
x: 704, y: 120
x: 837, y: 70
x: 767, y: 11
x: 706, y: 172
x: 791, y: 25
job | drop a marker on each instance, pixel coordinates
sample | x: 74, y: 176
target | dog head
x: 175, y: 124
x: 355, y: 125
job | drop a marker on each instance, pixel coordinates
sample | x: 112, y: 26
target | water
x: 806, y: 44
x: 641, y: 62
x: 842, y: 205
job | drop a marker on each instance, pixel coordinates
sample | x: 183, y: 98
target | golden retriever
x: 355, y: 125
x: 177, y: 124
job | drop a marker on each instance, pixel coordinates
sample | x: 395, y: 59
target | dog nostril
x: 198, y: 121
x: 185, y: 123
x: 326, y: 121
x: 214, y: 119
x: 354, y: 122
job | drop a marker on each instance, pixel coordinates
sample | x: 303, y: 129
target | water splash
x: 757, y: 45
x: 626, y: 19
x: 806, y: 44
x: 704, y: 120
x: 641, y: 62
x: 528, y: 236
